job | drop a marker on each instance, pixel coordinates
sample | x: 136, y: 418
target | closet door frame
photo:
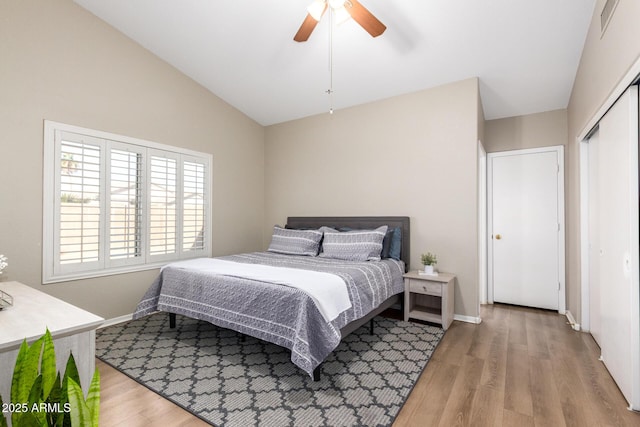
x: 632, y: 76
x: 634, y: 230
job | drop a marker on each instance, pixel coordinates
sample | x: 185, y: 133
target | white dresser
x: 72, y: 329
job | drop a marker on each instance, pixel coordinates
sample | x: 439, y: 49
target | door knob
x: 498, y: 237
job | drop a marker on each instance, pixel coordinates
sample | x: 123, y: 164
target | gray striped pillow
x: 295, y: 242
x: 356, y: 245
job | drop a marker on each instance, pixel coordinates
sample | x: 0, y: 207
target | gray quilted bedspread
x: 276, y: 313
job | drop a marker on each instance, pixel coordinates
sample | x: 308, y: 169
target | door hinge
x: 558, y: 226
x: 559, y: 286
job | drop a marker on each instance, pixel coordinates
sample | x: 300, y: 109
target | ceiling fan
x: 343, y: 10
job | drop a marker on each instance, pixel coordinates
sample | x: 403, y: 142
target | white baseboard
x: 468, y: 319
x: 572, y: 321
x: 116, y: 320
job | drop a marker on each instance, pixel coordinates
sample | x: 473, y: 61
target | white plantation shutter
x: 125, y: 205
x: 79, y: 202
x: 162, y: 206
x: 115, y: 204
x: 194, y: 211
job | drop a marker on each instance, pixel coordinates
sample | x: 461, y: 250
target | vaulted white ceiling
x: 525, y: 52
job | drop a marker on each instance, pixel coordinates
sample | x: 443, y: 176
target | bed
x: 288, y: 315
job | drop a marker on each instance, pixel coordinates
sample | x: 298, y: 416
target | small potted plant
x: 429, y: 260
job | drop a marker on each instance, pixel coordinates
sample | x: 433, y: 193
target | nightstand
x: 429, y: 298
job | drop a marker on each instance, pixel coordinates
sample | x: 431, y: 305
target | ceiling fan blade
x: 306, y: 28
x: 362, y: 16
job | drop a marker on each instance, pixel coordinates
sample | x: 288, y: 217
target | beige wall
x: 412, y: 155
x: 59, y: 62
x: 481, y: 120
x: 605, y: 60
x: 530, y: 131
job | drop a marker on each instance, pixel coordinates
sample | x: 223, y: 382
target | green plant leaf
x: 56, y: 390
x: 55, y: 396
x: 36, y: 391
x: 30, y: 419
x: 93, y: 398
x: 35, y: 398
x: 18, y: 376
x: 64, y: 419
x: 80, y: 415
x: 71, y: 371
x: 48, y: 365
x: 24, y: 374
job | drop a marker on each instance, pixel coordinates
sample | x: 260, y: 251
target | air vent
x: 607, y: 13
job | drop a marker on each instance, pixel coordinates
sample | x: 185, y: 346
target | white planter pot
x: 428, y: 269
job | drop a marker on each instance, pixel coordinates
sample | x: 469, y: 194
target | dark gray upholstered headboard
x: 359, y: 222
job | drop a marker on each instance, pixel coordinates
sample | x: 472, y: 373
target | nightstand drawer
x: 425, y: 287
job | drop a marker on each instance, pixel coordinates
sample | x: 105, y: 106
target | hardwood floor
x: 124, y: 402
x: 519, y: 367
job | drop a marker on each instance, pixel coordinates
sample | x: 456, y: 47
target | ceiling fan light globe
x: 316, y: 9
x: 341, y: 15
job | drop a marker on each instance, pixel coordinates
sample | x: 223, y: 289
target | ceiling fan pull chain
x: 330, y: 90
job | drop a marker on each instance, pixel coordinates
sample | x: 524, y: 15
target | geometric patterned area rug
x: 228, y: 379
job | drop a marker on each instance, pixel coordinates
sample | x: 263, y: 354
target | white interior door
x: 526, y: 249
x: 613, y: 240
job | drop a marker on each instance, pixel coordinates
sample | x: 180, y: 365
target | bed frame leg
x: 316, y: 374
x: 371, y: 327
x: 172, y: 320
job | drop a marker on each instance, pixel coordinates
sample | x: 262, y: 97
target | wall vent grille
x: 607, y: 13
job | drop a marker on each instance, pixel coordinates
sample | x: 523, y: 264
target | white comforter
x: 329, y: 291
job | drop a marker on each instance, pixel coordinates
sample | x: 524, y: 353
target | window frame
x: 53, y: 271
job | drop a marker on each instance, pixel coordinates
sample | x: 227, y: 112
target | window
x: 114, y: 204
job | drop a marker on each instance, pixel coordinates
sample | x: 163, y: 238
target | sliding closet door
x: 614, y: 243
x: 595, y: 291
